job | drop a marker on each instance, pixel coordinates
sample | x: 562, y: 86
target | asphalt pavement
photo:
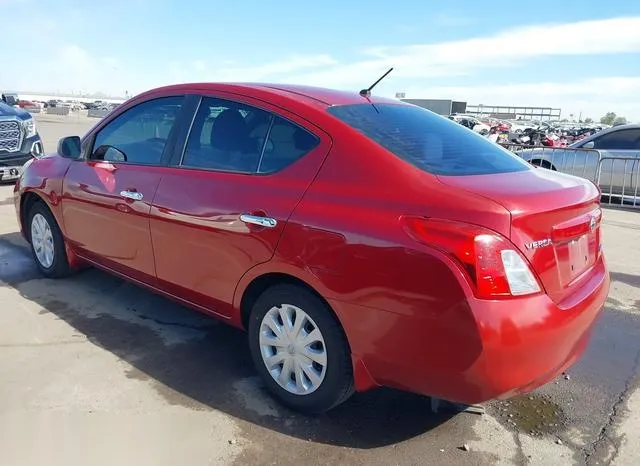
x: 97, y: 371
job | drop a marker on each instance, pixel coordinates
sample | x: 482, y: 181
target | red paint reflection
x: 104, y: 171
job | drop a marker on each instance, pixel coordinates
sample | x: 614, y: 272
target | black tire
x: 337, y: 385
x: 60, y: 266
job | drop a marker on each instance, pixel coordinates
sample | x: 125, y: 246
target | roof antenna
x: 367, y: 92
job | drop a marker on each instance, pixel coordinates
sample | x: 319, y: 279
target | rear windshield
x: 430, y: 142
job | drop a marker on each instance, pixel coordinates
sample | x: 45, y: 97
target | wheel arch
x: 260, y: 283
x: 27, y: 201
x: 541, y: 162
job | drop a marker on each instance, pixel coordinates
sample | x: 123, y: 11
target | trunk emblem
x: 538, y: 244
x: 593, y: 223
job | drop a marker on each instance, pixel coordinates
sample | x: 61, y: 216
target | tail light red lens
x: 493, y: 265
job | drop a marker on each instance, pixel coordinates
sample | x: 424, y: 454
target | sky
x: 580, y: 56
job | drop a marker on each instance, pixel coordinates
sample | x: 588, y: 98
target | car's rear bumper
x: 516, y: 345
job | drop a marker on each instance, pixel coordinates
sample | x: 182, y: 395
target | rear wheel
x: 47, y: 243
x: 299, y: 350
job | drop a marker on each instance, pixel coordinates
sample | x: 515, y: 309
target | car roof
x: 628, y: 126
x: 613, y: 129
x: 316, y: 96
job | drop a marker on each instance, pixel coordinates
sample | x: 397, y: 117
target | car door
x: 221, y: 207
x: 620, y: 151
x: 107, y: 193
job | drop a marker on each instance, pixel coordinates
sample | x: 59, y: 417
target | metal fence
x: 579, y: 162
x: 58, y: 110
x: 33, y: 109
x: 96, y: 113
x: 617, y: 177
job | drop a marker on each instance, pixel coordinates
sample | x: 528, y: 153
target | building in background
x: 503, y: 112
x: 513, y: 113
x: 439, y: 106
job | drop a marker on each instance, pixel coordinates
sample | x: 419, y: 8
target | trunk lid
x: 555, y: 221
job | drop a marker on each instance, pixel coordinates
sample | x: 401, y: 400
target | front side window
x: 428, y: 141
x: 628, y: 139
x: 139, y: 134
x: 236, y: 137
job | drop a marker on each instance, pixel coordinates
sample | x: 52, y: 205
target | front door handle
x: 133, y: 195
x: 267, y: 222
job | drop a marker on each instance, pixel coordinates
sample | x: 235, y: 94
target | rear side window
x: 236, y: 137
x: 628, y: 139
x: 430, y: 142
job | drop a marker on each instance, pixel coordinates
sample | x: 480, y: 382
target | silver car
x: 610, y: 158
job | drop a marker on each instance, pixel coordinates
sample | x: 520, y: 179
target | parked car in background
x: 19, y: 141
x: 472, y: 123
x: 22, y: 103
x: 10, y: 98
x: 106, y: 107
x: 619, y: 149
x: 360, y: 241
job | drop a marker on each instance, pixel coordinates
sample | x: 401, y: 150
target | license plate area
x: 10, y: 173
x: 575, y: 257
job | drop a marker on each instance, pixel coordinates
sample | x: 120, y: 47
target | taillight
x: 494, y: 266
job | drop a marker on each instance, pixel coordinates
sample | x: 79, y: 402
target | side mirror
x: 109, y: 154
x: 69, y: 147
x: 589, y: 145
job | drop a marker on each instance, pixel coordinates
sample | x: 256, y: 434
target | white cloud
x: 506, y: 48
x: 71, y: 67
x: 200, y: 70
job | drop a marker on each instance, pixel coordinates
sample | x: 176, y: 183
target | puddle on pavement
x: 533, y: 414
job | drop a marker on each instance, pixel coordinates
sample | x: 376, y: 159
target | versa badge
x: 538, y: 244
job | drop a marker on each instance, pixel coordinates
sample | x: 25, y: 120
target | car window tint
x: 141, y: 132
x: 233, y: 136
x: 286, y: 143
x: 227, y: 136
x: 627, y: 139
x: 430, y: 142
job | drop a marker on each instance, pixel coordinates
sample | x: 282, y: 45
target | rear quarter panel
x: 345, y: 240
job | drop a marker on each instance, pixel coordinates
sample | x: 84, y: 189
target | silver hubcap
x: 293, y: 349
x: 42, y: 240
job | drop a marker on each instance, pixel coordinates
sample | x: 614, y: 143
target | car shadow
x: 627, y: 278
x: 194, y: 361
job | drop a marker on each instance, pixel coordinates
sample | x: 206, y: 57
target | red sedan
x: 360, y: 241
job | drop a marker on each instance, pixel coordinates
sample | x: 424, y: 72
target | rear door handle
x: 267, y: 222
x: 133, y: 195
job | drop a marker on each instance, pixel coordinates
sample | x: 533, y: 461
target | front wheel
x: 47, y: 243
x: 299, y: 350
